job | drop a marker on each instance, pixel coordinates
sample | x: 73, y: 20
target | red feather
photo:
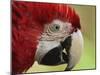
x: 28, y: 20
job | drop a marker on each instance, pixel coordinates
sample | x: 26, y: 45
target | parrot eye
x: 55, y: 28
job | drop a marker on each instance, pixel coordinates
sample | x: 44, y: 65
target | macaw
x: 48, y: 33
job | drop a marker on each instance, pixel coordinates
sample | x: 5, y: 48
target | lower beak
x: 53, y: 57
x: 66, y: 44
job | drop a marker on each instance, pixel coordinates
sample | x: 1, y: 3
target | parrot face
x: 47, y: 33
x: 56, y: 38
x: 51, y: 40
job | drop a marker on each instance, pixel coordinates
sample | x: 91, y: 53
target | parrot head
x: 44, y: 32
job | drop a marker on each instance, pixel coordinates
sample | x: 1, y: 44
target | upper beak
x: 73, y: 46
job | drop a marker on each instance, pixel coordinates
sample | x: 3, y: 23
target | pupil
x: 57, y: 27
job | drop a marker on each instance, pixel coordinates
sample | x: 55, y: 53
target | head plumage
x: 45, y: 12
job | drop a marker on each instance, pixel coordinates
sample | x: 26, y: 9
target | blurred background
x: 87, y: 15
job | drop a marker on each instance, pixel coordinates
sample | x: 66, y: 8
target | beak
x: 74, y: 51
x: 52, y: 52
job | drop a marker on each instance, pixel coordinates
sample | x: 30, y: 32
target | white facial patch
x: 63, y: 25
x: 56, y: 30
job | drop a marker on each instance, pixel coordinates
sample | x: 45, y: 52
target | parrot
x: 49, y: 33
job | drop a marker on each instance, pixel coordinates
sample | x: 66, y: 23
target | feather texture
x: 28, y: 20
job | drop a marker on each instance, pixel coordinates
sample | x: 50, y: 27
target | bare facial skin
x: 57, y: 30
